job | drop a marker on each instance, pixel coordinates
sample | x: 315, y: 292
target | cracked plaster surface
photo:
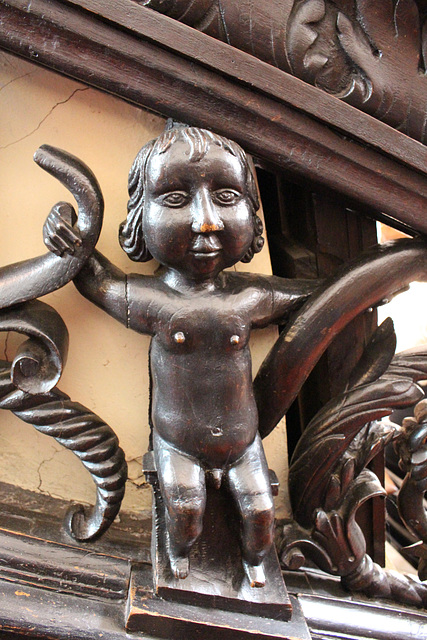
x: 45, y: 117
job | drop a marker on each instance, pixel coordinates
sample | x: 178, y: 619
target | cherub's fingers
x: 63, y: 217
x: 55, y: 243
x: 70, y: 234
x: 53, y: 237
x: 65, y: 211
x: 63, y: 246
x: 58, y: 233
x: 51, y: 245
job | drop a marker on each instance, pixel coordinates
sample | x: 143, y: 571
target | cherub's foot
x: 255, y: 574
x: 180, y: 567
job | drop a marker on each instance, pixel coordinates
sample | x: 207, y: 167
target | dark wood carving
x: 50, y: 587
x: 33, y: 278
x: 371, y: 55
x: 27, y: 385
x: 356, y: 287
x: 351, y: 50
x: 411, y: 446
x: 343, y: 437
x: 192, y: 206
x: 158, y: 63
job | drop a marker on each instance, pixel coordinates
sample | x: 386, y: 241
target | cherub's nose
x: 205, y: 214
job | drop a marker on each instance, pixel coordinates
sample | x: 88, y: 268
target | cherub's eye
x: 226, y: 196
x: 175, y: 199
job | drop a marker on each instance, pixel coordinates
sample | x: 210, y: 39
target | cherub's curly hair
x: 199, y: 140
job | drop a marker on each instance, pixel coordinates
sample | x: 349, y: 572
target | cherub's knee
x: 258, y: 528
x: 186, y: 513
x: 260, y: 509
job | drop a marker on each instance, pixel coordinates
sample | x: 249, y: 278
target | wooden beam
x: 154, y: 62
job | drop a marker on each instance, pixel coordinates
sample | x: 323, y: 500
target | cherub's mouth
x: 205, y: 254
x: 205, y: 246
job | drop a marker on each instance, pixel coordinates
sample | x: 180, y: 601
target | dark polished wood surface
x: 48, y: 603
x: 346, y: 160
x: 155, y: 62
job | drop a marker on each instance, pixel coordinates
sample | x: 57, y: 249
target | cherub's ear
x: 257, y: 242
x: 132, y: 239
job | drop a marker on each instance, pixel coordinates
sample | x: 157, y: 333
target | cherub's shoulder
x: 241, y: 280
x: 146, y: 297
x: 146, y: 283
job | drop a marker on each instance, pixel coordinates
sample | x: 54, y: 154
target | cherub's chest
x: 206, y: 327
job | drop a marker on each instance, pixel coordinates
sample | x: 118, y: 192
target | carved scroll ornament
x: 28, y: 384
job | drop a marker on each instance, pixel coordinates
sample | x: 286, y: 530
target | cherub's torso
x: 200, y: 362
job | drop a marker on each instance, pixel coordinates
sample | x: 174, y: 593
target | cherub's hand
x: 59, y: 234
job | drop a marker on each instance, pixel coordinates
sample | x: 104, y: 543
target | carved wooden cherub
x: 192, y: 207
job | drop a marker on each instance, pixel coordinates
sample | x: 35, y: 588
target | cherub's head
x: 195, y: 145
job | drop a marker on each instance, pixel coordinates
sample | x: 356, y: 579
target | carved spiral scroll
x: 27, y: 389
x: 92, y: 441
x: 39, y: 361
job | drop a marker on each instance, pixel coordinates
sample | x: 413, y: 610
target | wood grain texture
x: 155, y: 62
x: 32, y: 612
x: 368, y: 54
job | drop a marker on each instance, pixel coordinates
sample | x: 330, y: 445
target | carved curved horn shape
x: 359, y: 285
x: 36, y: 277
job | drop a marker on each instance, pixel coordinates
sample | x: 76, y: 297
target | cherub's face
x: 197, y: 215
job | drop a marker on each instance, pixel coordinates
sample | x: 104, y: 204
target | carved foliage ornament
x: 329, y: 480
x: 370, y: 54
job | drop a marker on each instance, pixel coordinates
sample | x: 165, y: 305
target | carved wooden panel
x: 346, y: 49
x: 370, y: 54
x: 156, y: 62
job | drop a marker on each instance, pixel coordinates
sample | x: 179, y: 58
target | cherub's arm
x: 285, y: 296
x: 104, y: 284
x: 289, y: 295
x: 99, y: 280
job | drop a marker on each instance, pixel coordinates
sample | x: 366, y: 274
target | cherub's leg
x: 249, y: 483
x: 183, y: 489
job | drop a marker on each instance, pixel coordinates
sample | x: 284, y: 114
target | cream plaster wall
x: 107, y: 367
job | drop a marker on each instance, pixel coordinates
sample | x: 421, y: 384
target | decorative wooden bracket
x: 27, y: 387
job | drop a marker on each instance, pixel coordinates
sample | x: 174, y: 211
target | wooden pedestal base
x: 216, y: 597
x: 148, y: 613
x: 217, y: 578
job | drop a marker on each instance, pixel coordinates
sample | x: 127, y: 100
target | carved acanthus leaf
x: 412, y: 448
x: 367, y: 53
x: 328, y: 476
